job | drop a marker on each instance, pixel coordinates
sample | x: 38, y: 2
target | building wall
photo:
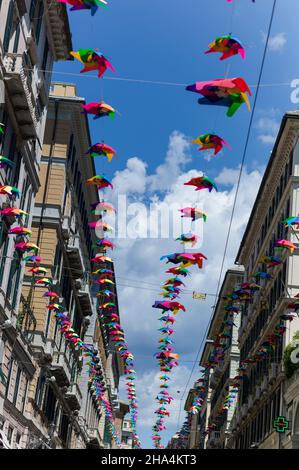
x: 223, y: 372
x: 262, y: 396
x: 28, y: 47
x: 64, y: 408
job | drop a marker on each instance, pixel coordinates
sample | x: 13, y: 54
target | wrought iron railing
x: 26, y: 321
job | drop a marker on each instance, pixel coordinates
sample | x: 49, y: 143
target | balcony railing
x: 26, y: 321
x: 73, y: 250
x: 84, y: 298
x: 95, y: 440
x: 74, y: 397
x: 60, y: 369
x: 18, y: 76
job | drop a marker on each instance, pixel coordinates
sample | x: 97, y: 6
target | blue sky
x: 165, y: 41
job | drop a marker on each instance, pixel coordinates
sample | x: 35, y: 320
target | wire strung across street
x: 237, y: 188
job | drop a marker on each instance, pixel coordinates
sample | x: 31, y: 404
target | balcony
x: 59, y: 30
x: 18, y: 78
x: 214, y: 441
x: 75, y: 256
x: 65, y: 227
x: 95, y: 441
x: 26, y: 321
x: 60, y: 369
x: 84, y: 298
x: 74, y: 397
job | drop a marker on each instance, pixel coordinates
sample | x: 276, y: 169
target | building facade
x: 258, y: 357
x: 127, y: 440
x: 60, y: 409
x: 205, y: 411
x: 33, y: 34
x: 61, y: 216
x: 266, y: 392
x: 193, y: 420
x: 224, y: 355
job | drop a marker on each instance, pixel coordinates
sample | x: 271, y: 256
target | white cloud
x: 268, y: 126
x: 147, y: 386
x: 267, y: 139
x: 140, y: 273
x: 177, y: 157
x: 132, y: 179
x: 228, y: 176
x: 209, y: 155
x: 276, y: 43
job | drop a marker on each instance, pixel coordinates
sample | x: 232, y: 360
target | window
x: 38, y: 21
x: 36, y: 17
x: 9, y: 26
x: 45, y: 57
x: 17, y: 37
x: 40, y: 389
x: 66, y: 287
x: 77, y: 321
x: 64, y: 428
x: 13, y: 280
x: 9, y: 434
x: 77, y: 182
x: 2, y: 136
x: 25, y: 394
x: 70, y: 148
x: 57, y: 261
x: 74, y: 371
x: 39, y: 107
x: 11, y: 364
x: 49, y: 404
x: 18, y: 439
x: 76, y: 174
x: 4, y: 240
x: 49, y: 316
x: 29, y: 69
x: 17, y: 384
